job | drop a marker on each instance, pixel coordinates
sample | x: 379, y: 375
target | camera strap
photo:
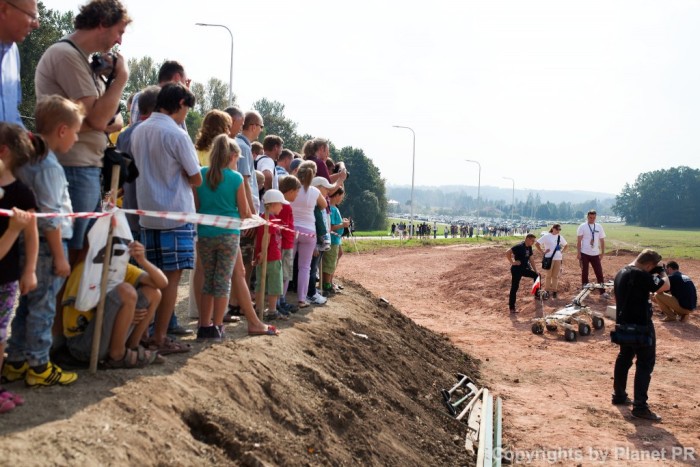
x: 87, y: 64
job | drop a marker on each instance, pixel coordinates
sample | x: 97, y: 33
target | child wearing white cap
x: 273, y: 200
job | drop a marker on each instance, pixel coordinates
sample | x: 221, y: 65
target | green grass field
x: 671, y: 243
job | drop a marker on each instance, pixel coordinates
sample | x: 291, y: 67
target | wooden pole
x: 260, y: 297
x: 99, y: 314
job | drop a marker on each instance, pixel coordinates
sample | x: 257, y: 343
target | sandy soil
x: 556, y: 393
x: 351, y: 382
x: 323, y: 394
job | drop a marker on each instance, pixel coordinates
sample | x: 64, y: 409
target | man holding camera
x: 66, y: 69
x: 681, y: 300
x: 633, y: 285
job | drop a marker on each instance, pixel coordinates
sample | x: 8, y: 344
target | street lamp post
x: 413, y: 175
x: 230, y: 76
x: 512, y: 203
x: 478, y: 198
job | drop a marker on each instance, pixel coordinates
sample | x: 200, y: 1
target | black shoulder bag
x: 547, y: 262
x: 631, y: 334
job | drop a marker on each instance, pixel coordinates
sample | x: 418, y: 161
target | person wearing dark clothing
x: 521, y: 265
x: 682, y: 299
x: 633, y: 285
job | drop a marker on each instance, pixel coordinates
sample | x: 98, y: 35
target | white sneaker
x: 318, y: 299
x: 605, y: 296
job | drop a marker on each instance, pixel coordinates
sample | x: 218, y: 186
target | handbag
x: 631, y: 334
x: 547, y: 262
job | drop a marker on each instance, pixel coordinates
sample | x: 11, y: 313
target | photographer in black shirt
x: 633, y: 285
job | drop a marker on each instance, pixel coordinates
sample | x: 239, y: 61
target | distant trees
x: 663, y: 197
x: 366, y: 198
x: 457, y: 202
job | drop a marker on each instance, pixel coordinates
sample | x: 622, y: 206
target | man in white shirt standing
x: 591, y: 248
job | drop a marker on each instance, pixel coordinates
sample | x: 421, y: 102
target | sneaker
x: 281, y: 310
x: 554, y: 295
x: 289, y: 308
x: 51, y: 376
x: 544, y: 295
x: 180, y: 331
x: 208, y: 334
x: 513, y: 310
x: 11, y: 373
x: 317, y: 299
x: 605, y: 296
x: 621, y: 401
x: 645, y: 414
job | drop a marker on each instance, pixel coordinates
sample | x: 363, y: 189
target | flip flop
x: 270, y: 331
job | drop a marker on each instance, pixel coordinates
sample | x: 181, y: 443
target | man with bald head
x: 17, y: 19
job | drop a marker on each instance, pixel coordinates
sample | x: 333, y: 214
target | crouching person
x: 129, y: 309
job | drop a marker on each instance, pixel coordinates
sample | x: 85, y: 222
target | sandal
x: 168, y: 346
x: 12, y: 397
x: 303, y: 305
x: 133, y: 358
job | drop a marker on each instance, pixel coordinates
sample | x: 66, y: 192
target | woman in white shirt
x: 552, y: 243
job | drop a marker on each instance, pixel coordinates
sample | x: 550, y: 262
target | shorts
x: 170, y: 250
x: 84, y: 190
x: 217, y: 256
x: 273, y: 279
x: 80, y: 346
x: 287, y: 264
x: 8, y: 294
x: 330, y: 259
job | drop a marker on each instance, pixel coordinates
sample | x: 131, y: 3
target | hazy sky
x: 554, y: 94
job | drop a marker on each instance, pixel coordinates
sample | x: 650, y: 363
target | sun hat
x: 274, y: 196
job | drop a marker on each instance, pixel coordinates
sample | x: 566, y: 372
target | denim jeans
x: 31, y: 326
x: 84, y: 190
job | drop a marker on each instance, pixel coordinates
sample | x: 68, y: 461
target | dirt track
x: 321, y: 394
x: 556, y: 393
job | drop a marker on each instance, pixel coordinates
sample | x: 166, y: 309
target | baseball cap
x: 321, y: 181
x: 295, y: 164
x: 274, y: 196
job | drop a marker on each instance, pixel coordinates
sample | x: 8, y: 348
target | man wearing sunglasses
x: 17, y: 19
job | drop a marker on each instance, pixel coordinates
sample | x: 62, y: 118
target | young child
x: 221, y: 193
x: 16, y: 148
x: 58, y: 120
x: 323, y: 241
x: 129, y: 309
x: 289, y: 186
x: 273, y: 201
x: 338, y: 225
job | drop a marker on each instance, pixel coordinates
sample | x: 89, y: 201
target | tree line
x: 667, y: 197
x: 365, y: 198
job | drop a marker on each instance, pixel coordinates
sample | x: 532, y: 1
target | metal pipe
x: 478, y: 198
x: 230, y: 76
x: 413, y: 176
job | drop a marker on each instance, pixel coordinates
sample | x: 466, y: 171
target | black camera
x: 658, y: 269
x: 100, y: 66
x: 339, y: 166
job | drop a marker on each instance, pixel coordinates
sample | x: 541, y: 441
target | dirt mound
x: 349, y: 382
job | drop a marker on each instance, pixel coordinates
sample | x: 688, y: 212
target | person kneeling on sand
x: 129, y: 309
x: 681, y: 300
